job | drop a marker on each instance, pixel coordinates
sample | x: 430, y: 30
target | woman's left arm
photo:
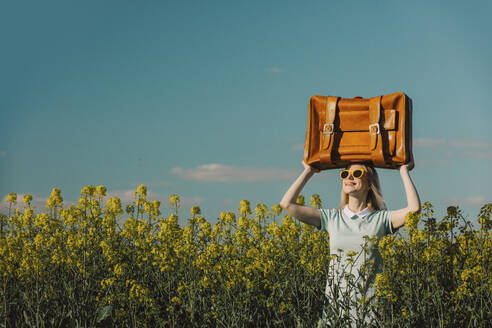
x: 413, y: 202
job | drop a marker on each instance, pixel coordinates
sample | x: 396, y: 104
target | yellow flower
x: 283, y: 307
x: 156, y: 204
x: 107, y: 282
x: 404, y: 313
x: 101, y: 191
x: 261, y: 209
x: 113, y: 205
x: 205, y: 282
x: 230, y: 284
x: 27, y: 199
x: 88, y: 190
x: 363, y: 300
x: 118, y: 270
x: 273, y: 229
x: 315, y: 201
x: 195, y: 210
x: 12, y: 198
x: 174, y: 201
x: 244, y: 207
x: 227, y: 217
x: 130, y: 209
x: 142, y: 191
x: 351, y: 253
x: 473, y: 275
x: 181, y: 289
x: 276, y: 209
x: 55, y: 199
x: 28, y: 217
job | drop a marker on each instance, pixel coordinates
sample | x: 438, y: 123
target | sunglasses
x: 357, y: 173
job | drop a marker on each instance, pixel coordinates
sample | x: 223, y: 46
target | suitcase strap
x: 328, y: 129
x: 376, y: 146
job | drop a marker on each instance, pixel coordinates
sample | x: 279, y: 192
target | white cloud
x: 487, y: 155
x: 229, y: 202
x: 430, y: 162
x: 275, y: 70
x: 447, y: 149
x: 125, y: 196
x: 224, y: 173
x: 428, y: 142
x: 470, y: 201
x: 297, y: 147
x: 458, y: 144
x: 470, y: 144
x: 190, y: 201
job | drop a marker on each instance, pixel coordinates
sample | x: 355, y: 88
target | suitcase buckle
x: 374, y: 128
x: 330, y: 130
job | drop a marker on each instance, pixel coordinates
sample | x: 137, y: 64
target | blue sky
x: 208, y: 99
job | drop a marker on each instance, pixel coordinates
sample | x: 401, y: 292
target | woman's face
x: 354, y: 186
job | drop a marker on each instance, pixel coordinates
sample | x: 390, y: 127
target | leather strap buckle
x: 374, y: 128
x: 330, y: 130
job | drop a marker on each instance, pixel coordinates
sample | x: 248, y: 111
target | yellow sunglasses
x: 357, y: 173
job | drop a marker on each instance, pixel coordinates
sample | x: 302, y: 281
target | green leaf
x: 104, y: 313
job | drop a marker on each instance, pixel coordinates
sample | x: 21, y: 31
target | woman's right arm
x: 305, y: 214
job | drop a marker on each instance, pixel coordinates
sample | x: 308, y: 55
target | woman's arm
x: 305, y: 214
x: 413, y: 202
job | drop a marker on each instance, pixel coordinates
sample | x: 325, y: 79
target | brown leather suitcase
x: 375, y: 130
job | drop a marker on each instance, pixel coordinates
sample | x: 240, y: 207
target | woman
x: 362, y: 212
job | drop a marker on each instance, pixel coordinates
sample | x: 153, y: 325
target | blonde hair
x: 374, y: 199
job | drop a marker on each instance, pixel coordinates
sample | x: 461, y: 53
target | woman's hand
x: 408, y: 167
x: 310, y: 169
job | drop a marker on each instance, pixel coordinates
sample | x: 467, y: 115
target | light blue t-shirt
x: 347, y: 231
